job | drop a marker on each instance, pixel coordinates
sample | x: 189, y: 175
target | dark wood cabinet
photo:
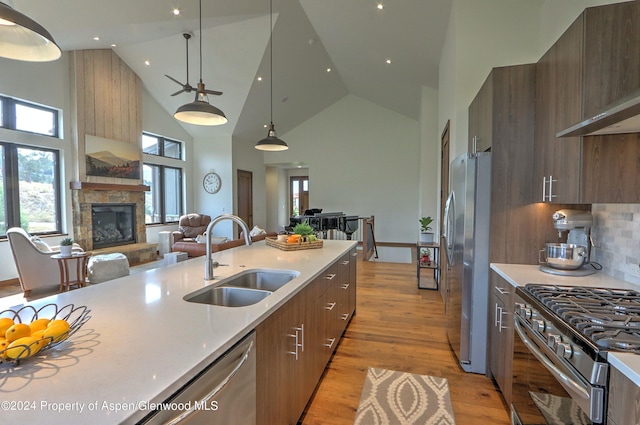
x: 624, y: 394
x: 594, y: 63
x: 295, y: 343
x: 480, y: 119
x: 558, y: 105
x: 611, y: 54
x: 501, y: 334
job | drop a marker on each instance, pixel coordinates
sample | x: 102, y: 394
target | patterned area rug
x: 399, y: 398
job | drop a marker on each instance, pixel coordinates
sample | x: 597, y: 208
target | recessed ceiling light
x: 380, y: 6
x: 260, y: 78
x: 146, y: 62
x: 96, y: 38
x: 176, y: 11
x: 388, y: 61
x: 328, y: 69
x: 113, y: 44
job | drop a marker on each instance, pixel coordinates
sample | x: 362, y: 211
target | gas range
x: 598, y: 319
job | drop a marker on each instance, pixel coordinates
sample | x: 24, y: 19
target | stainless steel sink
x: 227, y: 296
x: 268, y: 280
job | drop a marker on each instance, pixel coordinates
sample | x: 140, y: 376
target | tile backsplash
x: 616, y: 238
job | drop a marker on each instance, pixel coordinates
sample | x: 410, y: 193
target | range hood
x: 619, y: 117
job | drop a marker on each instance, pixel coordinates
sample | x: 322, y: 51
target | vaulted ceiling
x: 352, y: 38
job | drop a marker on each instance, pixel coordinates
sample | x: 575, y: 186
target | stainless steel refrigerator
x: 466, y: 234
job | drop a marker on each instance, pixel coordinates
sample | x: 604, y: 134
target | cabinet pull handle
x: 499, y: 317
x: 301, y: 330
x: 345, y: 316
x: 330, y: 276
x: 501, y: 291
x: 330, y: 306
x: 345, y: 263
x: 495, y: 316
x: 501, y: 320
x: 544, y: 188
x: 345, y: 286
x: 355, y: 254
x: 551, y: 195
x: 331, y: 342
x: 296, y: 344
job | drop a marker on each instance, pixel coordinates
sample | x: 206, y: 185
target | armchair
x: 189, y: 227
x: 31, y: 255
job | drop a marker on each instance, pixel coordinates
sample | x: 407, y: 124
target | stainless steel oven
x: 562, y: 336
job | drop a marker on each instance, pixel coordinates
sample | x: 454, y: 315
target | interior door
x: 245, y: 197
x: 444, y: 193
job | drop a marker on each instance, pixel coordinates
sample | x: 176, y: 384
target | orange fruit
x: 5, y: 323
x: 22, y: 347
x: 57, y: 322
x: 55, y: 333
x: 19, y: 330
x: 38, y: 324
x: 3, y: 346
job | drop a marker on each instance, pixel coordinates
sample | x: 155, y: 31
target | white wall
x: 246, y: 157
x: 363, y: 160
x: 429, y: 158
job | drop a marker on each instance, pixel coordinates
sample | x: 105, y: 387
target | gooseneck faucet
x: 210, y: 265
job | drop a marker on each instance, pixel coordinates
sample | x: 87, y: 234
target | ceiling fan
x: 186, y: 87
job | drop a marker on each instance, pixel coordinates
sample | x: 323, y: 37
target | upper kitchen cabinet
x: 501, y: 118
x: 593, y: 64
x: 558, y: 162
x: 480, y: 122
x: 611, y: 55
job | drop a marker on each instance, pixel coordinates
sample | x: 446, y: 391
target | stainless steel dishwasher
x: 224, y: 393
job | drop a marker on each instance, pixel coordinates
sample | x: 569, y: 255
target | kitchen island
x: 143, y: 341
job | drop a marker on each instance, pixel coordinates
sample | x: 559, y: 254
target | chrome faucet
x: 210, y: 265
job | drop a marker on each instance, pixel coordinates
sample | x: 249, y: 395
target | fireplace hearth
x: 113, y: 224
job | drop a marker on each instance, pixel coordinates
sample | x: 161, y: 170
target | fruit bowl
x: 36, y: 330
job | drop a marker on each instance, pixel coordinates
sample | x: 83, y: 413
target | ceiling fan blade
x: 214, y: 92
x: 179, y: 91
x: 174, y: 80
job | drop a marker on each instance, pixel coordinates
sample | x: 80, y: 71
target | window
x: 299, y: 195
x: 161, y: 146
x: 28, y: 117
x: 29, y: 189
x: 163, y: 203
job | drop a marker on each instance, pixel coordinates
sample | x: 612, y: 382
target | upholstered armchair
x: 190, y: 226
x: 31, y: 255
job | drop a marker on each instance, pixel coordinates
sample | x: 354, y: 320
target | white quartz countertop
x: 521, y: 274
x: 143, y: 340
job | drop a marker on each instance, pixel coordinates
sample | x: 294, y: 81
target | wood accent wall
x: 107, y: 102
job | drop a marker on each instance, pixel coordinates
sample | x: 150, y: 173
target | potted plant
x: 426, y: 235
x: 65, y: 247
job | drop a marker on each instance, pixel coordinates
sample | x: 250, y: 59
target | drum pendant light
x: 200, y: 111
x: 22, y: 38
x: 271, y: 142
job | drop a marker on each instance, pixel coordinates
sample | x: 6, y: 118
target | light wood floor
x: 398, y: 327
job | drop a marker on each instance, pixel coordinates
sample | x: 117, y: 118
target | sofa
x: 195, y: 249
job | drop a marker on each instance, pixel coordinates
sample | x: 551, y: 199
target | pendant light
x: 22, y: 38
x: 271, y: 142
x: 200, y: 111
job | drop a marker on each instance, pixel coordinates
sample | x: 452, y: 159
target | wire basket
x: 75, y: 317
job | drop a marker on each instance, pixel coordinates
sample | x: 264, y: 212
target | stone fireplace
x: 107, y: 207
x: 113, y: 224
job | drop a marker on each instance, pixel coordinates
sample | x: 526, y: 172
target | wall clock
x: 212, y: 182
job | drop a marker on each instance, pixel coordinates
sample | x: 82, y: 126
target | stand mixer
x: 572, y: 258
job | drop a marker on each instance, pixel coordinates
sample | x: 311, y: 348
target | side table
x: 434, y: 262
x: 80, y: 259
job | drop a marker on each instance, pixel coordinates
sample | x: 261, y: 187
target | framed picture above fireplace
x: 111, y: 158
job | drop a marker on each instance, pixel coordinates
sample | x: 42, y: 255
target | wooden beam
x: 76, y: 185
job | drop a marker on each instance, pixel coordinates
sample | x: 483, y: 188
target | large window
x: 29, y: 176
x: 29, y: 189
x: 162, y: 172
